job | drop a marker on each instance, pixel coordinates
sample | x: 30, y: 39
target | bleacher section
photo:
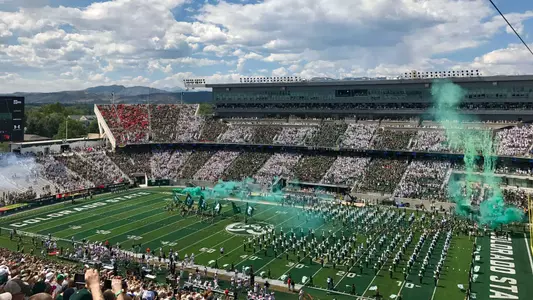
x: 167, y: 124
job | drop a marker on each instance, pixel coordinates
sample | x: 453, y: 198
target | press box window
x: 342, y: 93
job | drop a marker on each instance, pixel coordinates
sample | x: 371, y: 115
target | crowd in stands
x: 63, y: 177
x: 517, y: 197
x: 311, y: 168
x: 424, y: 180
x: 87, y: 168
x: 383, y: 175
x: 431, y: 141
x: 26, y: 276
x: 237, y: 134
x: 163, y: 119
x: 346, y: 170
x: 196, y: 160
x: 180, y: 123
x: 388, y: 139
x: 95, y: 166
x: 188, y: 124
x: 245, y: 165
x: 129, y: 122
x: 140, y: 123
x: 295, y: 135
x: 101, y: 163
x: 166, y: 164
x: 11, y: 197
x: 277, y: 165
x: 132, y: 162
x: 265, y: 134
x: 212, y: 129
x: 327, y: 135
x: 358, y: 135
x: 212, y: 170
x: 515, y: 140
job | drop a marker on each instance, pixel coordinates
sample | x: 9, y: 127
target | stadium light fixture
x: 193, y: 83
x: 275, y: 79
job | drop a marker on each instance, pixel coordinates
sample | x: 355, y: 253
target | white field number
x: 408, y: 285
x: 207, y: 250
x: 349, y: 275
x: 170, y: 244
x: 250, y: 257
x: 295, y: 266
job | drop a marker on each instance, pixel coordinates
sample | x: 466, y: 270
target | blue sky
x: 50, y: 45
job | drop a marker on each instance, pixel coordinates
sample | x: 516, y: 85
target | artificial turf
x: 138, y: 217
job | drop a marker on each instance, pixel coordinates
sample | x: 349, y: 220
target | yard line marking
x: 129, y: 224
x: 258, y: 250
x: 268, y: 263
x: 337, y: 292
x: 141, y: 209
x: 401, y: 288
x: 351, y: 268
x: 434, y: 290
x: 180, y: 229
x: 218, y: 232
x: 529, y: 253
x: 375, y: 276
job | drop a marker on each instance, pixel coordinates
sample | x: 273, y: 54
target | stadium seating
x: 358, y: 135
x: 174, y: 123
x: 311, y: 168
x: 424, y: 180
x: 383, y: 175
x: 215, y: 166
x: 387, y: 139
x: 128, y: 122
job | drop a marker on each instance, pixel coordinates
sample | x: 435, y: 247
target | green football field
x: 138, y: 217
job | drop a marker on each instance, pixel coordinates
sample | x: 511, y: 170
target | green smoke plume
x: 477, y: 145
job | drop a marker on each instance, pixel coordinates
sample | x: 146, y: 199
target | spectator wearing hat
x: 18, y: 289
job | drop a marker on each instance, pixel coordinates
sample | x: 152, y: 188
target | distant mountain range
x: 122, y: 94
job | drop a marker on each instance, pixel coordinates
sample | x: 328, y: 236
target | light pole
x: 66, y: 127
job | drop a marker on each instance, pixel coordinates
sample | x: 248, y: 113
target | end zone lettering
x: 503, y: 286
x: 76, y: 209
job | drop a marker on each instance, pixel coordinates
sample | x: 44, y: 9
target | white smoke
x: 17, y: 173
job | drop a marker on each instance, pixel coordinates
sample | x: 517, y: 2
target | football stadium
x: 415, y: 188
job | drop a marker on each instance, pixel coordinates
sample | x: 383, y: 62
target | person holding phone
x: 91, y: 290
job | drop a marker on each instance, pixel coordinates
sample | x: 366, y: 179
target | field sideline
x: 138, y: 216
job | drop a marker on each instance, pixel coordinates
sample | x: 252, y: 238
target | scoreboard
x: 11, y: 119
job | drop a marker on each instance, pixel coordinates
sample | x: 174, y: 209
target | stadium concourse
x: 327, y: 249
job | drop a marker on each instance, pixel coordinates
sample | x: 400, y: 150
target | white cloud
x: 137, y: 41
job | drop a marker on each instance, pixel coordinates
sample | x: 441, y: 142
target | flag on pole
x: 217, y: 208
x: 189, y: 201
x: 249, y: 210
x: 177, y: 198
x: 202, y: 203
x: 236, y: 209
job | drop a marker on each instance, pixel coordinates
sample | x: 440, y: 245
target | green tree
x: 75, y: 129
x: 93, y: 127
x: 46, y: 120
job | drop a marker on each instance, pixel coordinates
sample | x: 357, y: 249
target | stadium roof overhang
x: 499, y: 78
